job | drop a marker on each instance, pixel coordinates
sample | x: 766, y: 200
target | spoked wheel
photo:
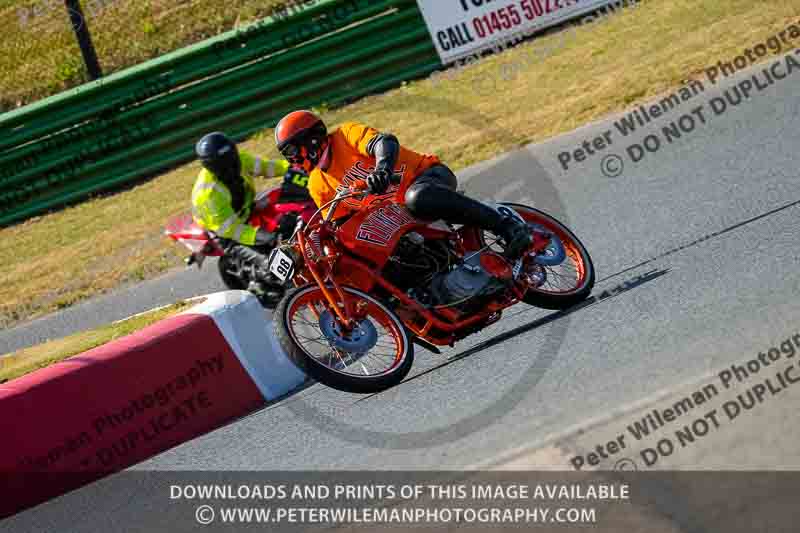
x: 373, y: 356
x: 562, y: 274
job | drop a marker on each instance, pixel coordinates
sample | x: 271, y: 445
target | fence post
x: 84, y: 38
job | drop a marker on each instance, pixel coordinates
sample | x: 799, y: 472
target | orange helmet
x: 302, y: 138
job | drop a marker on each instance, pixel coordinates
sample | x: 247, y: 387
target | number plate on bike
x: 281, y: 265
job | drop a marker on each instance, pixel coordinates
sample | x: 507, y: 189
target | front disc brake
x: 554, y: 253
x: 361, y: 339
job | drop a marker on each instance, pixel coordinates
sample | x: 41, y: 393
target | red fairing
x: 185, y: 230
x: 269, y: 217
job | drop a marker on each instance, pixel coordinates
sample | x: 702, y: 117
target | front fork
x: 521, y: 270
x: 345, y: 314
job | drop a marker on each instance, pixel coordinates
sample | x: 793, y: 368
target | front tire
x: 302, y: 325
x: 571, y: 281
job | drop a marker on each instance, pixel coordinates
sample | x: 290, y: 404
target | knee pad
x: 412, y: 200
x: 425, y: 200
x: 439, y: 175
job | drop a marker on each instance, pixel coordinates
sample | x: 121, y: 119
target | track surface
x: 120, y: 304
x: 687, y: 311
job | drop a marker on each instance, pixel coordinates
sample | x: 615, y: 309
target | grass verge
x: 39, y: 55
x: 56, y: 260
x: 24, y: 361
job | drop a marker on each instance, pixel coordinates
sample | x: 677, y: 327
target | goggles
x: 290, y: 151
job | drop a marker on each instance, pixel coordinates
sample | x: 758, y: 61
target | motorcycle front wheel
x: 371, y: 357
x: 565, y: 273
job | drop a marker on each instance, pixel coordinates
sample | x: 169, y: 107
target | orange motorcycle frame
x: 324, y: 263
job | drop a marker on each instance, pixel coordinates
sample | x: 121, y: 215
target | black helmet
x: 219, y: 155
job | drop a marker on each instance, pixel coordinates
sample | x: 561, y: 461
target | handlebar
x: 361, y: 185
x: 357, y: 188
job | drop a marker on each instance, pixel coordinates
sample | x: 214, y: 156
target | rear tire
x: 288, y: 338
x: 274, y: 291
x: 231, y: 281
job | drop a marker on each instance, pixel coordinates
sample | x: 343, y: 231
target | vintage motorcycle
x: 371, y: 285
x: 234, y: 274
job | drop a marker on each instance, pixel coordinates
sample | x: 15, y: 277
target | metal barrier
x: 147, y: 118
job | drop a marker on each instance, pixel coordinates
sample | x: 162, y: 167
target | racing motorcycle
x: 371, y: 285
x: 234, y: 274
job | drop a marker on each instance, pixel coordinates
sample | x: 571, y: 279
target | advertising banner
x: 463, y: 27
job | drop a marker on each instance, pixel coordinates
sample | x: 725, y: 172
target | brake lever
x: 297, y: 229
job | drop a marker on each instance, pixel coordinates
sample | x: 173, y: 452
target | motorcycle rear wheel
x: 229, y: 279
x: 274, y: 292
x: 305, y: 329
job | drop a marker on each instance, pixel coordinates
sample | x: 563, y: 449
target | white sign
x: 463, y: 27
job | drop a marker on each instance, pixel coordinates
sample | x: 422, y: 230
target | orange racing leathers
x: 350, y: 161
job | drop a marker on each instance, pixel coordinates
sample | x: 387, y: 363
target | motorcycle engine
x: 468, y: 284
x: 415, y: 262
x: 434, y: 276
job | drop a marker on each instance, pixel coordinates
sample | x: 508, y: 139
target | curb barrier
x: 116, y: 405
x: 241, y: 319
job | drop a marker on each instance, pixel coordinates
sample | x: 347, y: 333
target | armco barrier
x: 114, y: 406
x: 147, y: 118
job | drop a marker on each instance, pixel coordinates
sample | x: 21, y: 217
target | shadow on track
x: 704, y: 238
x: 543, y: 321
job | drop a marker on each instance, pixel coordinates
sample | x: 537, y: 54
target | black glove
x: 265, y: 238
x: 287, y: 225
x: 379, y: 181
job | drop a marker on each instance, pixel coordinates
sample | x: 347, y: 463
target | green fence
x: 147, y: 118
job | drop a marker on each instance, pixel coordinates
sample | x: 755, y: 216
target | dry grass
x: 55, y: 260
x: 39, y: 55
x: 28, y: 360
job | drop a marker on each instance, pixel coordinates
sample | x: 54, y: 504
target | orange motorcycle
x: 374, y: 283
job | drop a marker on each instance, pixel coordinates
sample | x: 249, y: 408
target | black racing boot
x: 433, y: 202
x: 517, y: 237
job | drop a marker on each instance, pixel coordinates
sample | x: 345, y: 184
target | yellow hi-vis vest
x: 212, y: 201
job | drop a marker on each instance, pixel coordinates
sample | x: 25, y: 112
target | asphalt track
x: 697, y: 255
x: 117, y: 305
